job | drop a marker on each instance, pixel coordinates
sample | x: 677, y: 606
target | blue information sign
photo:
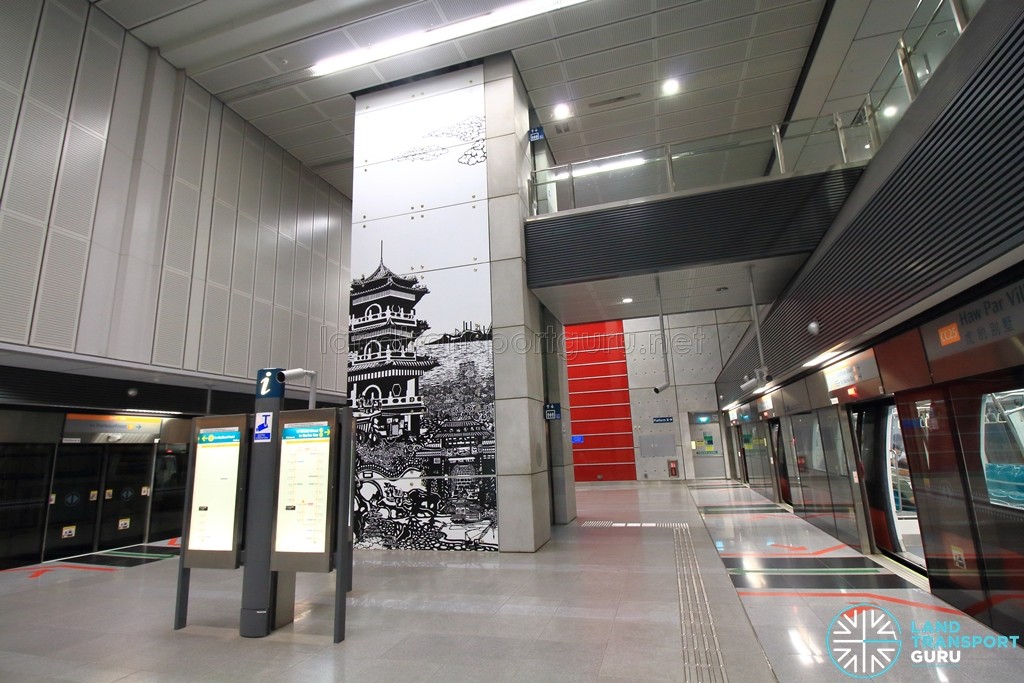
x: 552, y: 411
x: 311, y: 431
x: 267, y: 385
x: 577, y: 439
x: 536, y: 133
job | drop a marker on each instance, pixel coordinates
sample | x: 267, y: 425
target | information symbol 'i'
x: 864, y: 641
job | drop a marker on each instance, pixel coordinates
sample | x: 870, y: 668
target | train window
x: 1002, y: 446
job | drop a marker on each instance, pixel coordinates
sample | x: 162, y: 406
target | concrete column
x: 522, y: 460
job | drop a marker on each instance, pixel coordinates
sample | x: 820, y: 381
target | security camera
x: 749, y: 384
x: 661, y: 387
x: 285, y: 376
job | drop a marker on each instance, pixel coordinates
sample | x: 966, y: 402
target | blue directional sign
x: 264, y: 427
x: 577, y: 439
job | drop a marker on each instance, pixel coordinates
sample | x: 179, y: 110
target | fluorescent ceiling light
x: 151, y: 412
x: 561, y: 111
x: 670, y: 87
x: 627, y: 300
x: 890, y: 111
x: 822, y: 359
x: 441, y: 34
x: 578, y: 172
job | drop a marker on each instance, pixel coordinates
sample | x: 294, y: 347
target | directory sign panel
x: 304, y: 515
x: 216, y: 492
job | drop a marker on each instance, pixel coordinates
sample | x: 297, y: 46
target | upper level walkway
x: 653, y: 582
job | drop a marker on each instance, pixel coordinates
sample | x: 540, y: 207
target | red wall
x: 599, y: 401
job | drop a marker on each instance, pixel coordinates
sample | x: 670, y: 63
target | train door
x: 779, y: 458
x: 99, y: 498
x: 24, y: 473
x: 75, y: 494
x: 889, y: 489
x: 128, y: 476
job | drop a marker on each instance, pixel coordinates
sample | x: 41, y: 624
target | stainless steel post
x: 907, y: 69
x: 959, y: 15
x: 777, y: 137
x: 837, y: 119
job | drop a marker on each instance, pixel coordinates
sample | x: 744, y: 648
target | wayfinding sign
x: 305, y: 495
x: 215, y: 492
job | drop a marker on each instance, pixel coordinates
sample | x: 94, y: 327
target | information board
x: 304, y: 513
x: 212, y: 536
x: 215, y: 490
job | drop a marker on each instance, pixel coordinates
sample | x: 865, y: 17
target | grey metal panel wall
x: 940, y: 201
x: 141, y: 221
x: 771, y: 218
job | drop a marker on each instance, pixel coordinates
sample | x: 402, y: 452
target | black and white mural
x: 421, y: 369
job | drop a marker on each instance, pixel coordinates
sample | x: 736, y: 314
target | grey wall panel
x: 297, y: 344
x: 181, y: 226
x: 128, y: 95
x: 284, y: 280
x: 134, y: 314
x: 97, y: 79
x: 194, y: 328
x: 696, y: 358
x: 51, y: 75
x: 236, y: 357
x: 244, y: 268
x: 266, y: 259
x: 321, y: 212
x: 289, y: 195
x: 230, y: 158
x: 280, y: 336
x: 10, y: 103
x: 317, y: 285
x: 252, y: 173
x: 35, y: 158
x: 161, y: 112
x: 21, y: 252
x: 18, y: 21
x: 191, y: 146
x: 332, y: 303
x: 729, y: 336
x: 329, y: 374
x: 336, y: 221
x: 260, y: 336
x: 172, y: 319
x: 97, y: 301
x: 215, y: 327
x: 222, y: 244
x: 304, y: 224
x: 270, y: 196
x: 78, y: 182
x: 300, y: 292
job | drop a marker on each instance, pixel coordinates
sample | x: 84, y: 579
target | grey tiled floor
x: 594, y: 604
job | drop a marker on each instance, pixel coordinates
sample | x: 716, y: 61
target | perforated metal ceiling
x: 738, y: 62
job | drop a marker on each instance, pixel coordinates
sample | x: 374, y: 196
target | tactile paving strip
x: 702, y: 656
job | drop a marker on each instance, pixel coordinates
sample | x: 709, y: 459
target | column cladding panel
x: 420, y: 355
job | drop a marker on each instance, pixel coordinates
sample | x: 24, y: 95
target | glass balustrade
x: 791, y: 147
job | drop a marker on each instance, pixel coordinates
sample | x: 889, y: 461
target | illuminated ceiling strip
x: 441, y: 34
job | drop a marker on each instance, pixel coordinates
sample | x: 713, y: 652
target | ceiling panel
x: 609, y: 60
x: 738, y: 62
x: 533, y: 56
x: 636, y: 30
x: 789, y: 17
x: 693, y: 40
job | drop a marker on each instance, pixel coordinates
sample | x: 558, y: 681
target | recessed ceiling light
x: 890, y: 111
x: 420, y: 39
x: 867, y: 146
x: 670, y: 87
x: 721, y: 289
x: 627, y: 300
x: 562, y: 111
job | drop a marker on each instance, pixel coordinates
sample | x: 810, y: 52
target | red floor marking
x: 788, y: 547
x: 175, y: 542
x: 813, y: 553
x: 39, y: 571
x: 867, y: 596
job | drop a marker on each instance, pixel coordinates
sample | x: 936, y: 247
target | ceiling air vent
x: 562, y: 128
x: 614, y: 100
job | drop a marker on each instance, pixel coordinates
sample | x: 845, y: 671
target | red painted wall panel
x: 599, y: 398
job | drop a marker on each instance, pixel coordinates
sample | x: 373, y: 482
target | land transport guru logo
x: 864, y: 641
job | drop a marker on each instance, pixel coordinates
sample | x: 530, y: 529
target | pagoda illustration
x: 384, y: 368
